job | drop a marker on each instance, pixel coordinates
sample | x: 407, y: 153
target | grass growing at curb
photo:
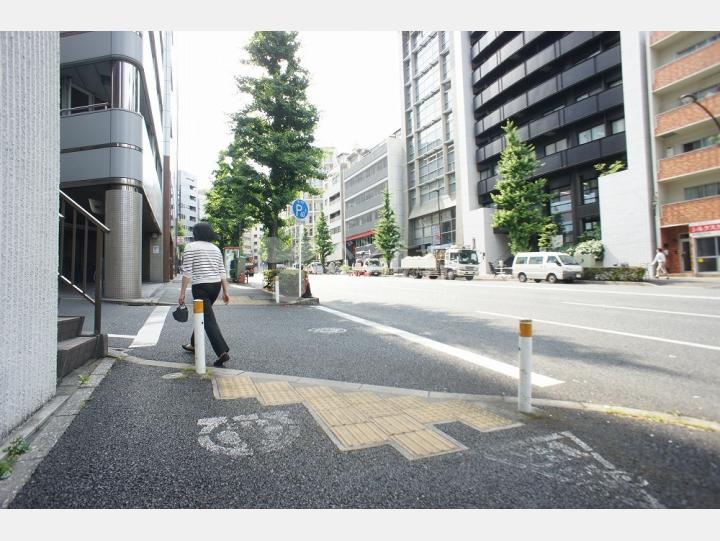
x: 14, y: 450
x: 189, y: 372
x: 84, y: 378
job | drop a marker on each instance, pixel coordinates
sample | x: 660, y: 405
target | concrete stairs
x: 74, y: 348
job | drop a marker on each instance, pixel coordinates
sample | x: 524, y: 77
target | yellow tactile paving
x: 377, y: 409
x: 275, y: 393
x: 405, y: 402
x: 360, y: 419
x: 360, y: 397
x: 234, y: 387
x: 359, y: 435
x: 315, y: 392
x: 432, y: 413
x: 341, y: 416
x: 326, y: 403
x: 424, y: 443
x: 397, y: 424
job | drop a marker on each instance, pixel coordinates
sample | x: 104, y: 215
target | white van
x: 550, y: 266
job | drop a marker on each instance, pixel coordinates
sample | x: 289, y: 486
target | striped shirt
x: 203, y: 263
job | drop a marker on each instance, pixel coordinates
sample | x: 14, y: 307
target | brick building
x: 685, y: 96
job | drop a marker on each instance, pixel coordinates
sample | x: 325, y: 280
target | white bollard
x: 277, y: 288
x: 525, y: 382
x: 199, y: 333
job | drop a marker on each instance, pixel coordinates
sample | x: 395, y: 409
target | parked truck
x: 446, y: 262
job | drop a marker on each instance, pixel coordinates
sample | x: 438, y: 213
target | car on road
x: 550, y: 266
x: 373, y: 267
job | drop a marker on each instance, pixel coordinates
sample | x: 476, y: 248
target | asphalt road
x: 671, y: 364
x: 137, y: 442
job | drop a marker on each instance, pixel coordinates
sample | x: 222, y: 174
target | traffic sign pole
x: 300, y: 211
x: 301, y: 231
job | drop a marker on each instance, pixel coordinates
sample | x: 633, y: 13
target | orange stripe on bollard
x: 526, y: 328
x: 197, y: 306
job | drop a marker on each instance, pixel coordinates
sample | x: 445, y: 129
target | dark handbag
x: 181, y: 313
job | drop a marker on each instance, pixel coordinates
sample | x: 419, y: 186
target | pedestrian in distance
x: 203, y: 266
x: 660, y: 261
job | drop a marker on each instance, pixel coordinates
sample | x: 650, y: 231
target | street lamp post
x: 693, y: 97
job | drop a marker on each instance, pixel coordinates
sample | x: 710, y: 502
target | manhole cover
x: 328, y: 330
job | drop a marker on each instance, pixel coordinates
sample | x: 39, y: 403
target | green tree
x: 387, y: 231
x: 228, y: 206
x: 272, y: 149
x: 520, y: 200
x: 308, y: 252
x: 323, y: 241
x: 181, y: 228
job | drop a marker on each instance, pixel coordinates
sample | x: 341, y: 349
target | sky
x: 355, y: 84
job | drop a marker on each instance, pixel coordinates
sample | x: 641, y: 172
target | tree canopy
x: 387, y: 231
x: 520, y: 199
x: 272, y: 150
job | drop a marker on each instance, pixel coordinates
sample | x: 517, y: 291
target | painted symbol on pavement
x: 246, y: 435
x: 328, y: 330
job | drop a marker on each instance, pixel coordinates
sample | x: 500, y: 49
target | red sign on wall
x: 704, y: 228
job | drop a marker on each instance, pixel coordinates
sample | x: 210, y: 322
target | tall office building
x: 569, y: 94
x: 428, y: 132
x: 685, y: 96
x: 116, y: 141
x: 188, y: 204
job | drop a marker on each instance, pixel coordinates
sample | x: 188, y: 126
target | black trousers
x: 209, y: 294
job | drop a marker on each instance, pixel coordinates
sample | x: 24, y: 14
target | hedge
x: 288, y: 280
x: 615, y: 274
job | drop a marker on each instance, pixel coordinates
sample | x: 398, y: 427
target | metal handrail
x: 101, y: 230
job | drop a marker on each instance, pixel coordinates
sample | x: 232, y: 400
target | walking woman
x: 203, y: 265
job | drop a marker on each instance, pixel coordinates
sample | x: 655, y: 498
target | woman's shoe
x: 188, y: 347
x: 225, y: 357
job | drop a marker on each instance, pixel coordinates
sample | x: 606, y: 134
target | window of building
x: 430, y: 167
x: 408, y: 101
x: 451, y: 158
x: 698, y: 45
x: 708, y: 254
x: 591, y: 223
x: 430, y: 138
x: 426, y: 56
x: 590, y: 191
x: 591, y: 92
x: 614, y: 82
x: 617, y: 126
x: 487, y: 173
x: 443, y: 40
x: 449, y: 126
x: 561, y: 210
x: 596, y: 132
x: 411, y: 198
x: 193, y: 198
x: 447, y: 105
x: 451, y: 183
x: 410, y: 147
x: 427, y: 83
x: 446, y: 66
x: 411, y: 175
x: 409, y: 122
x: 406, y: 70
x: 557, y: 146
x: 429, y: 111
x: 705, y: 190
x: 698, y: 144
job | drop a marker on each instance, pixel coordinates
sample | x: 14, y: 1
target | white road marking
x: 643, y: 309
x: 469, y: 356
x: 122, y: 335
x: 149, y: 334
x: 246, y: 435
x: 607, y: 331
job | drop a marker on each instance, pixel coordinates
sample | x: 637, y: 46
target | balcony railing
x: 690, y: 163
x: 686, y: 115
x: 693, y: 64
x: 695, y: 210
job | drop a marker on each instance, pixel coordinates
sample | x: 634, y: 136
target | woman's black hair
x: 204, y: 231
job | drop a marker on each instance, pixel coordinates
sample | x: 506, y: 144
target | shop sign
x: 704, y: 228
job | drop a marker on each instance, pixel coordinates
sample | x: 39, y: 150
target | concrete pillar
x: 29, y: 180
x: 123, y: 247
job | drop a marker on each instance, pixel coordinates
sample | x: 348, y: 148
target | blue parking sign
x: 300, y: 209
